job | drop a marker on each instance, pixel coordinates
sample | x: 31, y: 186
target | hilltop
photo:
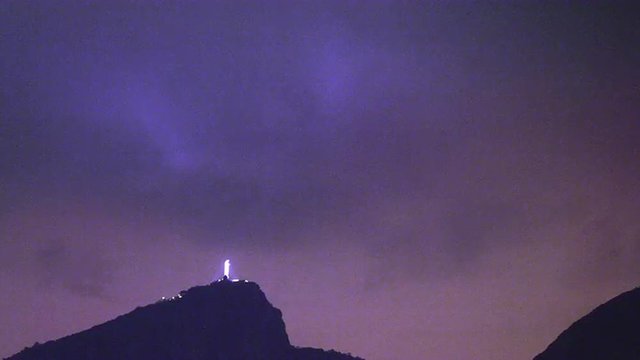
x: 610, y: 332
x: 226, y: 320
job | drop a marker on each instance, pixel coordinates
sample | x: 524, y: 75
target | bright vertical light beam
x: 227, y: 267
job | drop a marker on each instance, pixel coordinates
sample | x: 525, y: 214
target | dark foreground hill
x: 222, y: 321
x: 610, y: 332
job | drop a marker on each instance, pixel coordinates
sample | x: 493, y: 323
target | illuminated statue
x: 226, y: 276
x: 227, y: 268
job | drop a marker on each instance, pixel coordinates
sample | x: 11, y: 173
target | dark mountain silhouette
x: 610, y: 332
x: 222, y: 321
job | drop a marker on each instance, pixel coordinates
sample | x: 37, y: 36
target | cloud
x: 84, y: 274
x: 428, y: 145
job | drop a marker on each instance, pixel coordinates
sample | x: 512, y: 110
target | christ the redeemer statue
x: 227, y: 268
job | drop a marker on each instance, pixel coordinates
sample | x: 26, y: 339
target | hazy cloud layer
x: 461, y: 178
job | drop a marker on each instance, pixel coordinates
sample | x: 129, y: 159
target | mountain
x: 610, y: 332
x: 226, y: 320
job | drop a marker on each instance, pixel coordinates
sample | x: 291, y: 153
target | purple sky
x: 405, y: 181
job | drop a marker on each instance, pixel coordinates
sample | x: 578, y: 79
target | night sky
x: 404, y: 180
